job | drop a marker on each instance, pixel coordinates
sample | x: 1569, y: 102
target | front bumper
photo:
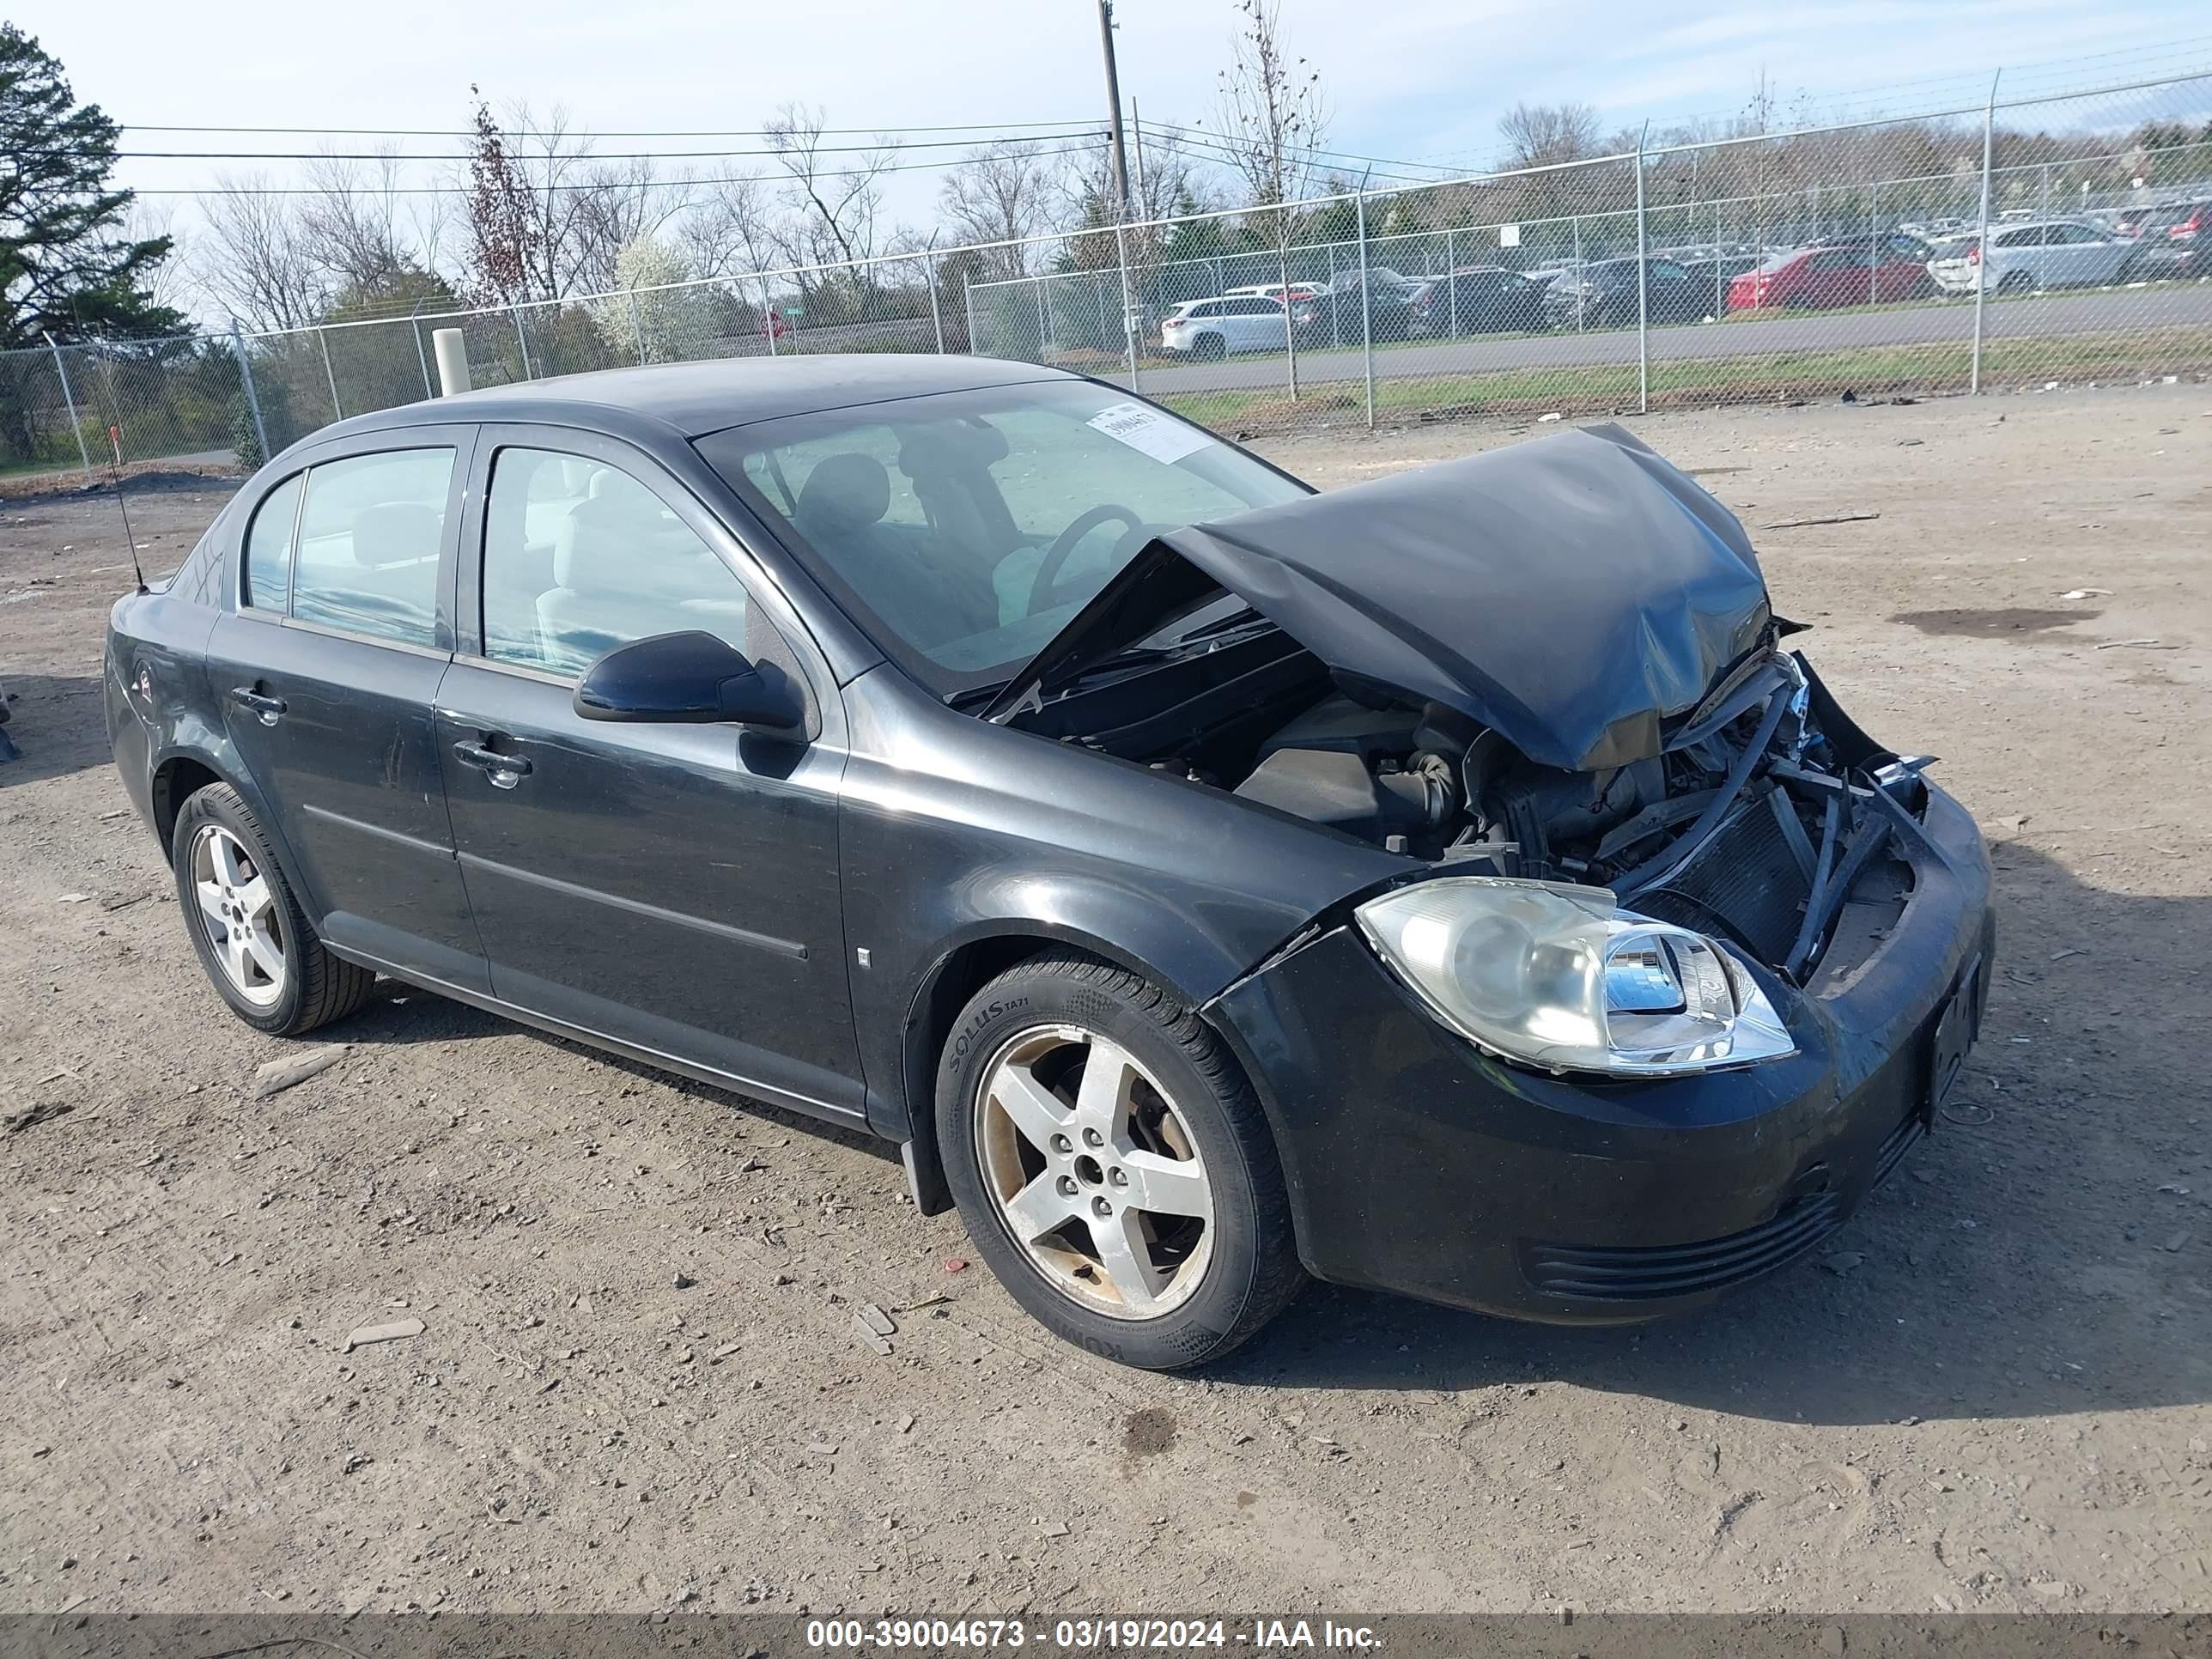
x: 1419, y: 1164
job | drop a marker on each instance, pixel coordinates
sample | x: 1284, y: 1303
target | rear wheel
x: 1209, y: 348
x: 1112, y: 1165
x: 253, y: 939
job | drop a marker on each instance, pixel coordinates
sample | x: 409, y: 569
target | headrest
x: 846, y: 491
x: 392, y: 532
x: 594, y: 543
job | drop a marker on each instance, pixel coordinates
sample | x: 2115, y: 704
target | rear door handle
x: 270, y: 709
x: 505, y: 771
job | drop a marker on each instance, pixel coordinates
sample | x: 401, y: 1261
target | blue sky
x: 1422, y: 80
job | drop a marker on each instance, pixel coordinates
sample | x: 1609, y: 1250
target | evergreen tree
x: 66, y: 265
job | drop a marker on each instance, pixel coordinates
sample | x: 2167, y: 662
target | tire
x: 1209, y: 348
x: 218, y: 839
x: 2016, y: 281
x: 1206, y: 1284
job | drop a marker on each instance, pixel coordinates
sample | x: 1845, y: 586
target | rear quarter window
x: 268, y: 547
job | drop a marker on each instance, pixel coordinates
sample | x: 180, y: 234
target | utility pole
x: 1114, y: 101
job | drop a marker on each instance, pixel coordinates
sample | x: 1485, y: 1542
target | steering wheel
x: 1066, y: 543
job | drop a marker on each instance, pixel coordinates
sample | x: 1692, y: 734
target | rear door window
x: 370, y: 533
x: 268, y: 547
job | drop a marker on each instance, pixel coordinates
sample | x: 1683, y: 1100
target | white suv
x: 2054, y: 253
x: 1211, y: 329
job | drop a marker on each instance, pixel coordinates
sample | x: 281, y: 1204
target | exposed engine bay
x: 1764, y: 811
x: 1767, y: 817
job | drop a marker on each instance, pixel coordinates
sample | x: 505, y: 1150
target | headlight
x: 1556, y: 976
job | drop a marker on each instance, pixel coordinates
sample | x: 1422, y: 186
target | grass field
x: 1875, y: 371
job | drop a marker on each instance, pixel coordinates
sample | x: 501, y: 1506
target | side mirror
x: 690, y: 679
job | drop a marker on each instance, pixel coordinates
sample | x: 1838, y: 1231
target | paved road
x: 2105, y: 310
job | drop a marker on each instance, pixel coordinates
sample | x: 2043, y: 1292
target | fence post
x: 1044, y: 322
x: 246, y: 377
x: 415, y: 322
x: 68, y: 400
x: 1451, y: 283
x: 1290, y: 330
x: 1982, y: 269
x: 936, y: 314
x: 1578, y: 270
x: 1874, y: 242
x: 2046, y: 215
x: 767, y: 315
x: 1366, y: 308
x: 636, y: 328
x: 1643, y: 301
x: 523, y: 340
x: 330, y: 375
x: 1720, y: 268
x: 968, y: 304
x: 1128, y: 324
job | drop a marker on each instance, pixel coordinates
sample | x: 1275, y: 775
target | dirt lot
x: 1991, y: 1394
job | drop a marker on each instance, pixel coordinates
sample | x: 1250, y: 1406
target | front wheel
x: 249, y: 931
x: 1112, y: 1166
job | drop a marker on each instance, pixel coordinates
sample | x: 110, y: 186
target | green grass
x: 1766, y: 377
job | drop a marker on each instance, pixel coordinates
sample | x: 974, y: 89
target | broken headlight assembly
x: 1558, y: 976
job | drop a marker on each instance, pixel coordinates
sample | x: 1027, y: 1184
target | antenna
x: 115, y: 482
x: 115, y: 471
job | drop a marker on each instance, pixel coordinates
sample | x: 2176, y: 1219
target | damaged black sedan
x: 1453, y: 884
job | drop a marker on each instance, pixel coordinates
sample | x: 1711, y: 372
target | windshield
x: 963, y: 531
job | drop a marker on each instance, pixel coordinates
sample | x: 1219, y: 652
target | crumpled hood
x: 1572, y: 592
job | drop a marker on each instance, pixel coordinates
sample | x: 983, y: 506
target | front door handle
x: 270, y: 709
x: 505, y: 771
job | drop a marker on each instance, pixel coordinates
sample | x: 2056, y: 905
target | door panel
x: 675, y: 886
x: 345, y: 752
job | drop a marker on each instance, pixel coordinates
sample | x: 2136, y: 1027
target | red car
x: 1837, y: 274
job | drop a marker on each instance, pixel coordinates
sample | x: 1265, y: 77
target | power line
x: 538, y: 132
x: 586, y: 183
x: 574, y: 156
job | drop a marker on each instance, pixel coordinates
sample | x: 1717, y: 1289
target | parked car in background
x: 2051, y: 253
x: 1336, y: 317
x: 1477, y: 300
x: 1604, y: 295
x: 1854, y: 273
x: 1451, y: 884
x: 1275, y: 291
x: 1212, y: 329
x: 2180, y: 222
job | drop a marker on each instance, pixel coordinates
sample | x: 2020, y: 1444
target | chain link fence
x: 2031, y: 241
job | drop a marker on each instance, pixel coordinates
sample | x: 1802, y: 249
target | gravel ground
x: 1990, y: 1393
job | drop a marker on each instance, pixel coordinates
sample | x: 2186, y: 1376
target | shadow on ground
x: 54, y: 722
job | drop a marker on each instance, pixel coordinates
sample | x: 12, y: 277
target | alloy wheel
x: 1094, y: 1172
x: 239, y: 909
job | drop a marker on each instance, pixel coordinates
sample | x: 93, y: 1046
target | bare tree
x: 1269, y: 109
x: 1541, y: 135
x: 836, y: 196
x: 1002, y: 192
x: 729, y: 230
x: 252, y: 259
x: 617, y: 204
x: 352, y: 225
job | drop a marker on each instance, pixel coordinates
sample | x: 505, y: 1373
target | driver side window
x: 580, y: 557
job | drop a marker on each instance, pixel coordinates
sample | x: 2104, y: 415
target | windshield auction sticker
x: 1145, y: 429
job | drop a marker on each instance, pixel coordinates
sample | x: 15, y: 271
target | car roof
x: 697, y: 398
